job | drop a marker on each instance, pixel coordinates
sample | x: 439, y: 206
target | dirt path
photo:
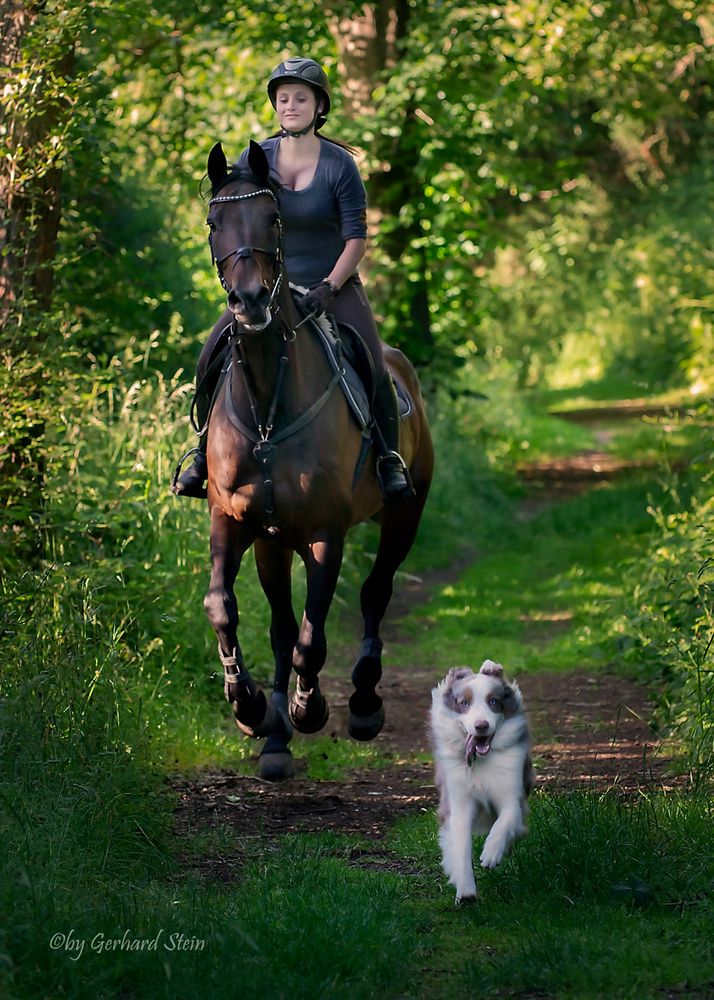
x: 589, y: 731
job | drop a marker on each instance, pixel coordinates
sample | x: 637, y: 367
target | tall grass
x: 606, y: 897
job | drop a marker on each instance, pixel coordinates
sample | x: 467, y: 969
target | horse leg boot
x: 273, y: 563
x: 254, y: 715
x: 392, y: 472
x: 309, y: 710
x: 398, y: 531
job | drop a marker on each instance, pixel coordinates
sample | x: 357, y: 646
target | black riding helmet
x: 300, y: 70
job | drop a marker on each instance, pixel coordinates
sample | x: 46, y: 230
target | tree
x: 36, y: 70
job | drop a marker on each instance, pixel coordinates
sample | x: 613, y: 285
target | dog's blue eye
x: 494, y: 703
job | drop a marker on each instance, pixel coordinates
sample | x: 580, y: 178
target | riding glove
x: 319, y: 299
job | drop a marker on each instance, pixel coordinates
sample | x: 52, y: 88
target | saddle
x: 348, y: 354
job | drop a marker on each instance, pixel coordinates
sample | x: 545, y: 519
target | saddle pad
x: 352, y: 386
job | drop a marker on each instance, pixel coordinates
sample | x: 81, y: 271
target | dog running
x: 483, y: 769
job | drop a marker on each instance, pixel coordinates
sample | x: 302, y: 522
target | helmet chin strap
x: 303, y: 131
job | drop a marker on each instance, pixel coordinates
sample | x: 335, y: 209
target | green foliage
x: 620, y: 285
x: 668, y: 627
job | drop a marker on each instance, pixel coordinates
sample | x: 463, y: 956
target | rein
x: 261, y: 434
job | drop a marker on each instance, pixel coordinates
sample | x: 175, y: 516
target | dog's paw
x: 467, y: 900
x: 492, y: 854
x: 465, y: 889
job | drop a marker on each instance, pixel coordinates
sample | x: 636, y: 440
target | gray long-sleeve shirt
x: 319, y: 219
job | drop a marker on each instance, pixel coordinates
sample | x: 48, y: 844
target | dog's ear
x: 511, y: 699
x: 458, y: 674
x: 492, y: 669
x: 455, y: 674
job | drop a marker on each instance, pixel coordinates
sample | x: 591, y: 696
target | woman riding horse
x: 323, y: 205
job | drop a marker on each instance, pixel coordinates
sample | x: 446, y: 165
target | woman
x: 323, y: 205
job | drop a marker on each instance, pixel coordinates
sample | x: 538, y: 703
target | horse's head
x: 245, y: 236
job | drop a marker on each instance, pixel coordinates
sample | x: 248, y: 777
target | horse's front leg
x: 309, y: 710
x: 229, y: 541
x: 273, y: 563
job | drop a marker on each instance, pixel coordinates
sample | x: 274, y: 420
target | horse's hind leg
x: 229, y: 541
x: 273, y: 563
x: 400, y: 520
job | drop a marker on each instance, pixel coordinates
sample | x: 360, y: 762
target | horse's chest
x: 290, y: 481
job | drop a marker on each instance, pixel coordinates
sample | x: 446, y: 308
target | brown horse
x: 283, y: 450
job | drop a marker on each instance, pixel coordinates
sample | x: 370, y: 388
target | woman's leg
x: 352, y: 306
x: 191, y: 482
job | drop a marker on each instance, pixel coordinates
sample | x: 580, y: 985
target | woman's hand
x: 319, y: 299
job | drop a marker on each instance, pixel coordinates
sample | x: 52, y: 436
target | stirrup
x: 197, y: 489
x: 401, y: 482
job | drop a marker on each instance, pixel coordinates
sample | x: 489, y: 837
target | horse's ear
x: 258, y: 162
x: 217, y: 166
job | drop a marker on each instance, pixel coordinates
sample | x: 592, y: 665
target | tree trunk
x: 369, y: 44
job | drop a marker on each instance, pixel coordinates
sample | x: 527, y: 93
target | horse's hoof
x: 275, y: 719
x: 366, y: 727
x: 309, y: 711
x: 278, y: 766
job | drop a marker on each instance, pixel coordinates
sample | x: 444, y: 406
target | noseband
x: 243, y: 253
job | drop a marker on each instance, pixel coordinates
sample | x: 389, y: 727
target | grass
x: 108, y: 687
x: 605, y: 898
x: 542, y: 595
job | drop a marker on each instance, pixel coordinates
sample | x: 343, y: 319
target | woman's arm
x: 346, y: 263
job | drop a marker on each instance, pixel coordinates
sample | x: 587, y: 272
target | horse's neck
x: 262, y: 354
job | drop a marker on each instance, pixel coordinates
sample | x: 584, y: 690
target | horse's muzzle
x: 250, y: 308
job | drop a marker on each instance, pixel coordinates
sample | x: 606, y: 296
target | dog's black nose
x: 481, y: 727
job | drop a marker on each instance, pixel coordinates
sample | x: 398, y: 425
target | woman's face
x: 295, y: 104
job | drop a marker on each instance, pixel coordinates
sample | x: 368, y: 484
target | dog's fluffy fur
x: 483, y: 768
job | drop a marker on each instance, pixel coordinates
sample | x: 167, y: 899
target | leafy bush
x: 668, y: 629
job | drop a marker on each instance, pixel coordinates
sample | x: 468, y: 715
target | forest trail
x: 590, y: 730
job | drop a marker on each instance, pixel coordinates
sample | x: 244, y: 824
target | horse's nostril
x: 234, y: 299
x: 263, y: 297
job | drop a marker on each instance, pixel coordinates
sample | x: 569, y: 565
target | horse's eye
x: 211, y: 225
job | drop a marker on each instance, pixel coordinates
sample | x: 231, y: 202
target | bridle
x: 242, y: 253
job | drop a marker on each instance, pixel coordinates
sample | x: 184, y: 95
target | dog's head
x: 480, y: 703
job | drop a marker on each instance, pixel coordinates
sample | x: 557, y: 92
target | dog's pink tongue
x: 476, y: 746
